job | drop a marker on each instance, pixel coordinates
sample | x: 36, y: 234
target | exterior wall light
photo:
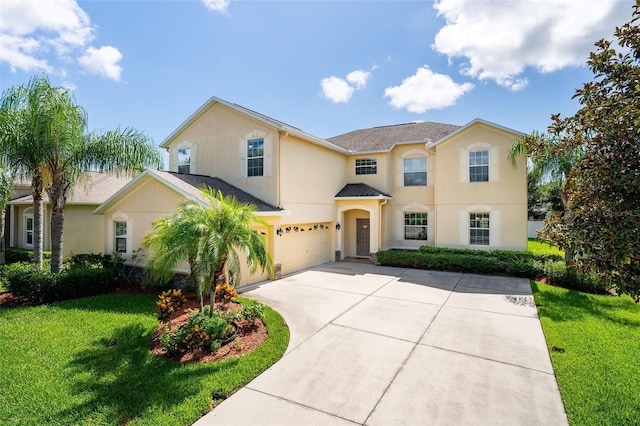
x: 337, y: 226
x: 279, y: 232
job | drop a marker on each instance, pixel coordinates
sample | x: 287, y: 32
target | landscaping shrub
x: 200, y: 332
x: 35, y: 285
x: 15, y: 255
x: 168, y: 302
x: 501, y: 262
x: 252, y: 311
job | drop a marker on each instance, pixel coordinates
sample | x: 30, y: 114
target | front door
x: 362, y: 238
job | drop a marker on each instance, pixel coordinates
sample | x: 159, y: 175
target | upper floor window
x: 479, y: 166
x: 184, y: 160
x: 366, y: 166
x: 120, y: 236
x: 255, y: 157
x: 479, y: 229
x: 415, y: 226
x: 415, y: 171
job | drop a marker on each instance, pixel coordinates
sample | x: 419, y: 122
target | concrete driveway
x: 374, y: 345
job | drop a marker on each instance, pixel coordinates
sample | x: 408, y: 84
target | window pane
x: 366, y: 166
x: 120, y: 229
x: 30, y: 238
x: 121, y: 245
x: 415, y: 179
x: 255, y: 157
x: 479, y: 166
x: 479, y: 229
x: 415, y: 226
x: 184, y: 157
x: 415, y: 171
x: 29, y: 224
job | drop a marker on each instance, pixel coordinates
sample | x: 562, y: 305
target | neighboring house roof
x: 384, y: 138
x: 278, y: 125
x: 190, y: 186
x: 96, y: 190
x: 359, y: 190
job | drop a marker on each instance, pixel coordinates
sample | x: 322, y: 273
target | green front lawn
x: 540, y: 247
x: 87, y: 361
x: 597, y: 343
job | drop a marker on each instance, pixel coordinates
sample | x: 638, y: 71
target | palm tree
x: 550, y: 165
x: 174, y: 241
x: 75, y: 152
x: 209, y: 237
x: 27, y: 115
x: 6, y: 189
x: 233, y: 224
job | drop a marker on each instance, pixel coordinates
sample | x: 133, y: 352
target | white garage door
x: 304, y: 246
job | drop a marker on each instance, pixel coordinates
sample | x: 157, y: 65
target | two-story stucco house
x: 399, y: 186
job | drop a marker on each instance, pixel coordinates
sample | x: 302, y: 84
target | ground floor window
x: 479, y: 229
x: 120, y: 234
x: 415, y: 226
x: 28, y: 230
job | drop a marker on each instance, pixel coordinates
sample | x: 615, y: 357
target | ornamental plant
x: 168, y: 302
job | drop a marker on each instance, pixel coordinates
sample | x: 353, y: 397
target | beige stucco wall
x: 216, y: 135
x: 150, y: 200
x: 381, y: 180
x: 504, y: 196
x: 310, y: 177
x: 84, y: 232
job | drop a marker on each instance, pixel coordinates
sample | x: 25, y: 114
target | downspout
x: 281, y: 134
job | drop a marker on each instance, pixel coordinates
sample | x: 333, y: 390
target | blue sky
x: 327, y: 67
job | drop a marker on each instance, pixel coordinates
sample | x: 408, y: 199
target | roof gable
x: 276, y: 124
x: 190, y: 186
x: 472, y: 123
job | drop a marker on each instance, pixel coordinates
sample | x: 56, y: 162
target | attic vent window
x: 366, y: 166
x: 255, y: 157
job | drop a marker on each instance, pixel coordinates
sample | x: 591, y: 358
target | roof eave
x: 372, y: 197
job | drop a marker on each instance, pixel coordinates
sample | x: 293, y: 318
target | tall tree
x: 604, y: 186
x: 76, y: 152
x: 551, y: 164
x: 209, y: 237
x: 27, y: 115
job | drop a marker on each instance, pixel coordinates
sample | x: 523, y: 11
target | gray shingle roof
x: 96, y: 190
x: 193, y: 184
x: 383, y: 138
x: 360, y: 190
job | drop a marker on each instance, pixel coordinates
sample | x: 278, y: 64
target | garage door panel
x: 304, y: 246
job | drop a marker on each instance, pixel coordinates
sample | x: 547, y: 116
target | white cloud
x: 217, y: 5
x: 425, y: 90
x: 358, y: 78
x: 336, y: 89
x: 499, y: 39
x: 340, y: 90
x: 102, y: 61
x: 35, y: 35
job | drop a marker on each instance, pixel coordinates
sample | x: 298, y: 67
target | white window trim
x: 119, y: 217
x: 414, y: 208
x: 267, y: 169
x: 28, y: 213
x: 494, y: 225
x: 494, y: 158
x: 173, y: 156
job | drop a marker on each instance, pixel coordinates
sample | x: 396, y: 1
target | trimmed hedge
x: 495, y: 262
x: 35, y: 285
x: 15, y: 255
x: 519, y: 264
